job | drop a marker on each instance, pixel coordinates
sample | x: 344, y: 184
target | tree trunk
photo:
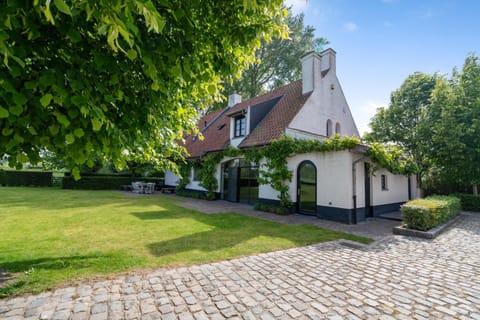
x: 475, y: 189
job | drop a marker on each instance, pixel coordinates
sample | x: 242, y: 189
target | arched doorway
x: 307, y: 188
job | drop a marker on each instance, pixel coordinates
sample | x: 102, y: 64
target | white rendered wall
x: 171, y: 179
x: 397, y: 186
x: 327, y: 101
x: 265, y: 191
x: 334, y: 177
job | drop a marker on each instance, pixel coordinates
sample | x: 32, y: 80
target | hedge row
x: 470, y: 202
x: 103, y: 182
x: 25, y: 178
x: 425, y: 214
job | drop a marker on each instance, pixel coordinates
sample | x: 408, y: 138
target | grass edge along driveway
x: 51, y: 237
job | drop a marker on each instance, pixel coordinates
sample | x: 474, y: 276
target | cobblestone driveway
x: 397, y: 278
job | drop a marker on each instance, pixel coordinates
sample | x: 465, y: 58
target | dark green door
x: 307, y: 188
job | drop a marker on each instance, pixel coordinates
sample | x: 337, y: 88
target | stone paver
x: 396, y: 278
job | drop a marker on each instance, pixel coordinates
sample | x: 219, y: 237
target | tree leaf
x: 16, y: 109
x: 63, y: 120
x: 96, y: 124
x: 79, y: 132
x: 3, y: 113
x: 46, y: 99
x: 69, y: 138
x: 62, y: 7
x: 132, y: 54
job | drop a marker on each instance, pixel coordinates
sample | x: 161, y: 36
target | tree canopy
x: 119, y: 79
x: 437, y: 121
x: 277, y: 62
x: 455, y: 125
x: 403, y: 122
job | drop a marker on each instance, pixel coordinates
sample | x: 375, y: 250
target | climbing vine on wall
x: 274, y: 167
x: 392, y: 158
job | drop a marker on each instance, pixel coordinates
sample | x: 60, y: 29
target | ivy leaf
x: 62, y: 7
x: 46, y: 99
x: 3, y: 113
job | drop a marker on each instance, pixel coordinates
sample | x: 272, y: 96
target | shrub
x: 271, y: 208
x: 107, y: 182
x: 470, y: 202
x: 190, y: 194
x: 425, y: 214
x: 25, y: 178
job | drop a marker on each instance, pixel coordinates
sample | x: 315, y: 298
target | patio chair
x: 138, y: 187
x: 149, y: 187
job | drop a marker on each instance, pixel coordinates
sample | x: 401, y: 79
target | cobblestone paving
x: 396, y: 278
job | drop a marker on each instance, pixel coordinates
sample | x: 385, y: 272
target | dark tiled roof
x: 217, y: 131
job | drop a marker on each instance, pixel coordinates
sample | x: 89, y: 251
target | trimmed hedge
x: 425, y: 214
x: 271, y: 208
x: 25, y: 178
x: 103, y: 182
x: 470, y: 202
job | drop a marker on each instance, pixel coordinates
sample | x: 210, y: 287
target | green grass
x: 50, y: 237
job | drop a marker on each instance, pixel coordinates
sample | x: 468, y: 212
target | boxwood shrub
x: 271, y: 208
x: 425, y: 214
x: 470, y: 202
x: 25, y: 178
x: 106, y: 182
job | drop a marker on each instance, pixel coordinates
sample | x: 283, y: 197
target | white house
x: 336, y: 185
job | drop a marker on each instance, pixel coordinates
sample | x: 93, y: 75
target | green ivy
x: 274, y: 171
x: 392, y: 158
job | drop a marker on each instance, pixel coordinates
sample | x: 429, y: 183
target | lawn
x: 50, y: 237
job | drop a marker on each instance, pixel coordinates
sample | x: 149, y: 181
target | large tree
x: 278, y: 61
x: 455, y: 125
x: 403, y: 122
x: 119, y: 79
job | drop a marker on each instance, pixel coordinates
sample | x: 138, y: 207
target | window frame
x: 239, y: 126
x: 384, y: 182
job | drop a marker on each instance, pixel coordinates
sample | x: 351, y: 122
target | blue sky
x: 380, y: 42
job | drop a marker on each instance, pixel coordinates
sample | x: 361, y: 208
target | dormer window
x: 240, y: 126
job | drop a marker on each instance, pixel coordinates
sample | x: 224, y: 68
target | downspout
x: 354, y: 187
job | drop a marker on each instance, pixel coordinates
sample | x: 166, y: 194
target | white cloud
x: 298, y: 6
x: 350, y: 26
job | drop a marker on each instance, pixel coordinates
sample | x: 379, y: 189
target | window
x: 195, y: 174
x: 240, y: 127
x: 337, y: 128
x: 384, y: 182
x: 329, y: 128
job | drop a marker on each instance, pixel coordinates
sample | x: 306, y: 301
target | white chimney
x: 328, y: 61
x: 233, y: 99
x: 315, y: 66
x: 310, y: 71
